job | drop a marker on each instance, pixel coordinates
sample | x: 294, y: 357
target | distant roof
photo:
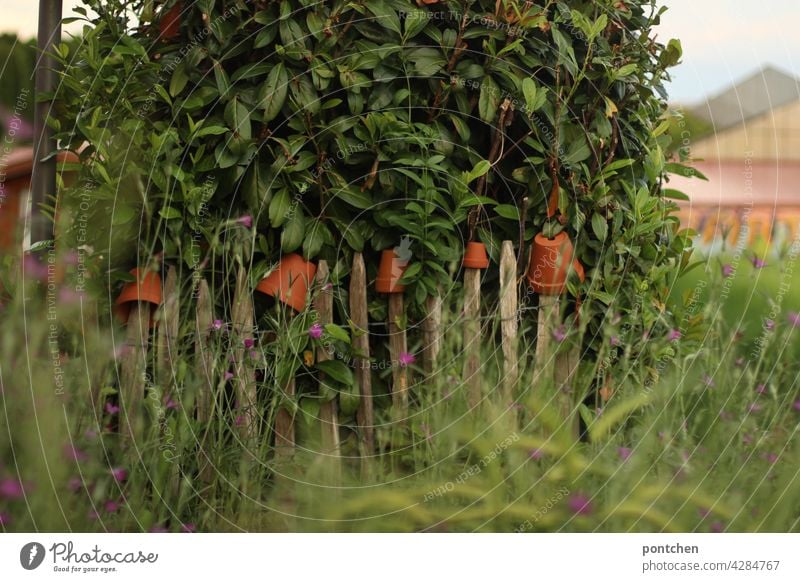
x: 764, y: 90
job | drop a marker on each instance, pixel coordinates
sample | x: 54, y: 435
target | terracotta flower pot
x: 290, y: 281
x: 475, y: 256
x: 169, y: 26
x: 146, y: 288
x: 550, y: 263
x: 390, y: 271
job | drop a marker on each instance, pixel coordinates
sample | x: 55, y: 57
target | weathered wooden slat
x: 472, y: 335
x: 204, y: 360
x: 133, y: 367
x: 431, y: 333
x: 508, y: 319
x: 168, y: 315
x: 244, y: 375
x: 328, y: 412
x: 397, y: 347
x: 547, y: 321
x: 360, y: 318
x: 565, y: 368
x: 284, y: 426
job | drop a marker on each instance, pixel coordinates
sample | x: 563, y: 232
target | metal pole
x: 43, y: 180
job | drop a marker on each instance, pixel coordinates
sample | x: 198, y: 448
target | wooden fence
x: 141, y: 338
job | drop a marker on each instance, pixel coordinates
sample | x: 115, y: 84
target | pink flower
x: 170, y: 404
x: 761, y: 389
x: 69, y: 296
x: 246, y: 221
x: 315, y: 331
x: 717, y: 527
x: 560, y: 333
x: 794, y: 318
x: 769, y: 324
x: 249, y: 343
x: 754, y: 407
x: 119, y: 474
x: 111, y: 506
x: 797, y: 405
x: 727, y: 270
x: 771, y: 458
x: 674, y: 335
x: 217, y: 324
x: 227, y: 376
x: 158, y: 529
x: 34, y: 268
x: 704, y: 513
x: 5, y: 519
x: 580, y: 504
x: 406, y: 359
x: 758, y: 263
x: 708, y: 380
x: 11, y: 489
x: 624, y: 453
x: 188, y: 528
x: 615, y: 341
x: 536, y: 454
x: 112, y: 408
x: 240, y: 420
x: 74, y: 484
x: 74, y: 454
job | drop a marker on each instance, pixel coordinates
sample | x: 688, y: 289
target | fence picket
x: 508, y: 318
x: 472, y: 335
x: 244, y: 375
x: 397, y: 347
x: 132, y: 369
x: 328, y: 412
x: 360, y: 318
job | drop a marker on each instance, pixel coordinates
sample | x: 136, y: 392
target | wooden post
x: 244, y: 376
x: 547, y: 321
x: 328, y: 411
x: 360, y: 318
x: 508, y: 319
x: 431, y: 330
x: 472, y: 335
x: 133, y: 365
x: 566, y: 367
x: 168, y: 333
x: 204, y: 359
x: 284, y: 426
x: 398, y: 346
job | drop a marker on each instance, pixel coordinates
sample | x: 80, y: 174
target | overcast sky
x: 723, y: 40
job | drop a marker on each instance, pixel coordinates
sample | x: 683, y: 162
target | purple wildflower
x: 727, y: 270
x: 119, y: 474
x: 217, y: 324
x: 674, y: 335
x: 624, y: 453
x: 74, y: 484
x: 758, y: 263
x: 754, y: 407
x: 761, y: 389
x: 73, y: 453
x: 797, y: 405
x: 769, y: 324
x: 246, y: 221
x: 315, y: 331
x: 158, y: 529
x: 11, y: 489
x: 188, y: 528
x: 69, y: 296
x: 615, y: 341
x: 111, y: 506
x: 227, y: 376
x: 249, y: 343
x: 536, y: 454
x: 794, y: 318
x: 33, y: 267
x: 112, y: 409
x: 170, y: 404
x: 579, y: 504
x: 5, y: 519
x: 704, y: 513
x: 717, y: 527
x: 560, y: 333
x: 406, y: 359
x: 771, y: 458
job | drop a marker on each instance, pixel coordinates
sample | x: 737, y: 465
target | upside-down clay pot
x: 169, y: 26
x: 390, y: 271
x: 475, y: 256
x: 290, y: 281
x: 551, y: 260
x: 146, y: 288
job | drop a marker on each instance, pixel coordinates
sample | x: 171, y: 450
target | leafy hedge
x: 344, y: 126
